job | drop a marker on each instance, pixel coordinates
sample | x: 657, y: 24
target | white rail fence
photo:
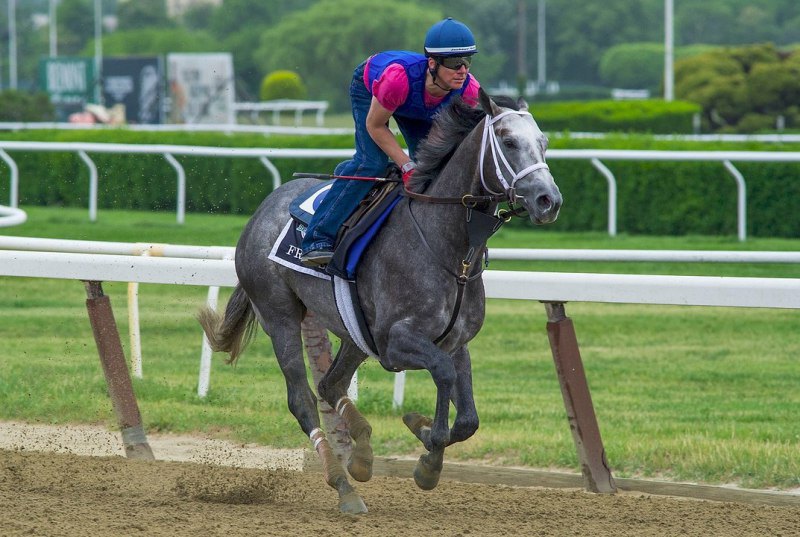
x: 213, y: 267
x: 595, y: 156
x: 285, y: 105
x: 295, y: 130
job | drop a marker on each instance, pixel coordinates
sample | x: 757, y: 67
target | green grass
x: 684, y: 393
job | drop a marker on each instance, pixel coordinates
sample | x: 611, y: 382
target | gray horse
x: 419, y: 283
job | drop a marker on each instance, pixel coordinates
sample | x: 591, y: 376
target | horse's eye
x: 509, y: 143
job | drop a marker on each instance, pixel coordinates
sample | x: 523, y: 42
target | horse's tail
x: 232, y: 332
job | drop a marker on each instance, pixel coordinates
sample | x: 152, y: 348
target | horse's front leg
x: 408, y: 350
x: 466, y: 422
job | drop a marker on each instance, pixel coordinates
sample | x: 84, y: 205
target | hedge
x: 647, y: 116
x: 658, y: 198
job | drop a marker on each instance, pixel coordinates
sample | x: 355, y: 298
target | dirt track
x: 58, y: 494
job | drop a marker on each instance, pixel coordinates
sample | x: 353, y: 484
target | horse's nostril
x: 545, y: 203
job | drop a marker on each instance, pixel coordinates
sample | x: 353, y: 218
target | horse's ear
x: 523, y: 106
x: 487, y: 104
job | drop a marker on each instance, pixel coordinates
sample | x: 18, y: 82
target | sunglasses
x: 455, y: 62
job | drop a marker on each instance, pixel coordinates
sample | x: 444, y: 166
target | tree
x: 742, y: 88
x: 234, y: 15
x: 324, y: 43
x: 75, y: 19
x: 155, y: 41
x: 143, y: 14
x: 633, y: 65
x: 199, y: 16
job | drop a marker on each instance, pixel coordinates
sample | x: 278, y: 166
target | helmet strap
x: 434, y: 72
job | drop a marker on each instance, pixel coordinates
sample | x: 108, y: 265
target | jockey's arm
x: 378, y: 129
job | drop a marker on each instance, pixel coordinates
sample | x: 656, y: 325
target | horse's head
x: 512, y: 159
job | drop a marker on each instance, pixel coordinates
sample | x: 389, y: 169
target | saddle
x: 358, y: 230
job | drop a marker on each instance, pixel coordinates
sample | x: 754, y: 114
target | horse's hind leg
x: 284, y: 330
x: 333, y: 389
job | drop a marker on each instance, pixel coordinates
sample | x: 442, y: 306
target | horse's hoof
x: 426, y: 477
x: 360, y: 468
x: 352, y: 504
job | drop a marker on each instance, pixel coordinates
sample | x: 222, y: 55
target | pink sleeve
x: 391, y: 88
x: 470, y: 94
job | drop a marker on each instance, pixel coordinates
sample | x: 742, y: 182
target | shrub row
x: 649, y: 116
x: 661, y: 198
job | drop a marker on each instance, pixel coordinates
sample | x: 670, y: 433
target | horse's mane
x: 450, y: 126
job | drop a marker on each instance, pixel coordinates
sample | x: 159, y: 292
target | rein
x: 480, y: 225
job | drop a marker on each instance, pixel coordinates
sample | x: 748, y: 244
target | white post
x: 98, y: 51
x: 741, y: 200
x: 12, y: 44
x: 204, y: 379
x: 53, y: 29
x: 399, y: 390
x: 669, y: 42
x: 181, y: 186
x: 541, y: 47
x: 352, y: 390
x: 612, y: 195
x: 134, y: 333
x: 92, y: 185
x: 276, y: 175
x: 14, y: 186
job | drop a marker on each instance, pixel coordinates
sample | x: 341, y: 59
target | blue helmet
x: 450, y: 38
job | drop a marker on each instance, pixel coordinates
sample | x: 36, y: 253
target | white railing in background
x: 660, y: 256
x: 225, y: 128
x: 727, y: 158
x: 284, y: 105
x: 26, y: 256
x: 11, y: 216
x: 294, y: 130
x: 169, y: 152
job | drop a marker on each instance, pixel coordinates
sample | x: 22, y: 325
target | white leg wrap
x: 317, y: 436
x: 341, y: 403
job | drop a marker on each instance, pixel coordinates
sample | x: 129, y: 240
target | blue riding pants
x: 369, y: 160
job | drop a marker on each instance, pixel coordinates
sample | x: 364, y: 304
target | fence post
x: 741, y: 199
x: 14, y: 185
x: 92, y: 184
x: 181, y: 186
x: 578, y: 401
x: 612, y: 195
x: 118, y: 379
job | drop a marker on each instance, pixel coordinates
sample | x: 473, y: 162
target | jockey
x: 410, y: 87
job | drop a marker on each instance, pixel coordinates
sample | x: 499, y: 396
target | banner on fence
x: 200, y: 88
x: 69, y: 81
x: 136, y: 83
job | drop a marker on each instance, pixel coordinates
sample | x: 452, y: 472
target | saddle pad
x: 303, y: 206
x: 286, y: 251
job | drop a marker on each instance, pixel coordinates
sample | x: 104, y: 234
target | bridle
x: 489, y: 139
x: 480, y: 225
